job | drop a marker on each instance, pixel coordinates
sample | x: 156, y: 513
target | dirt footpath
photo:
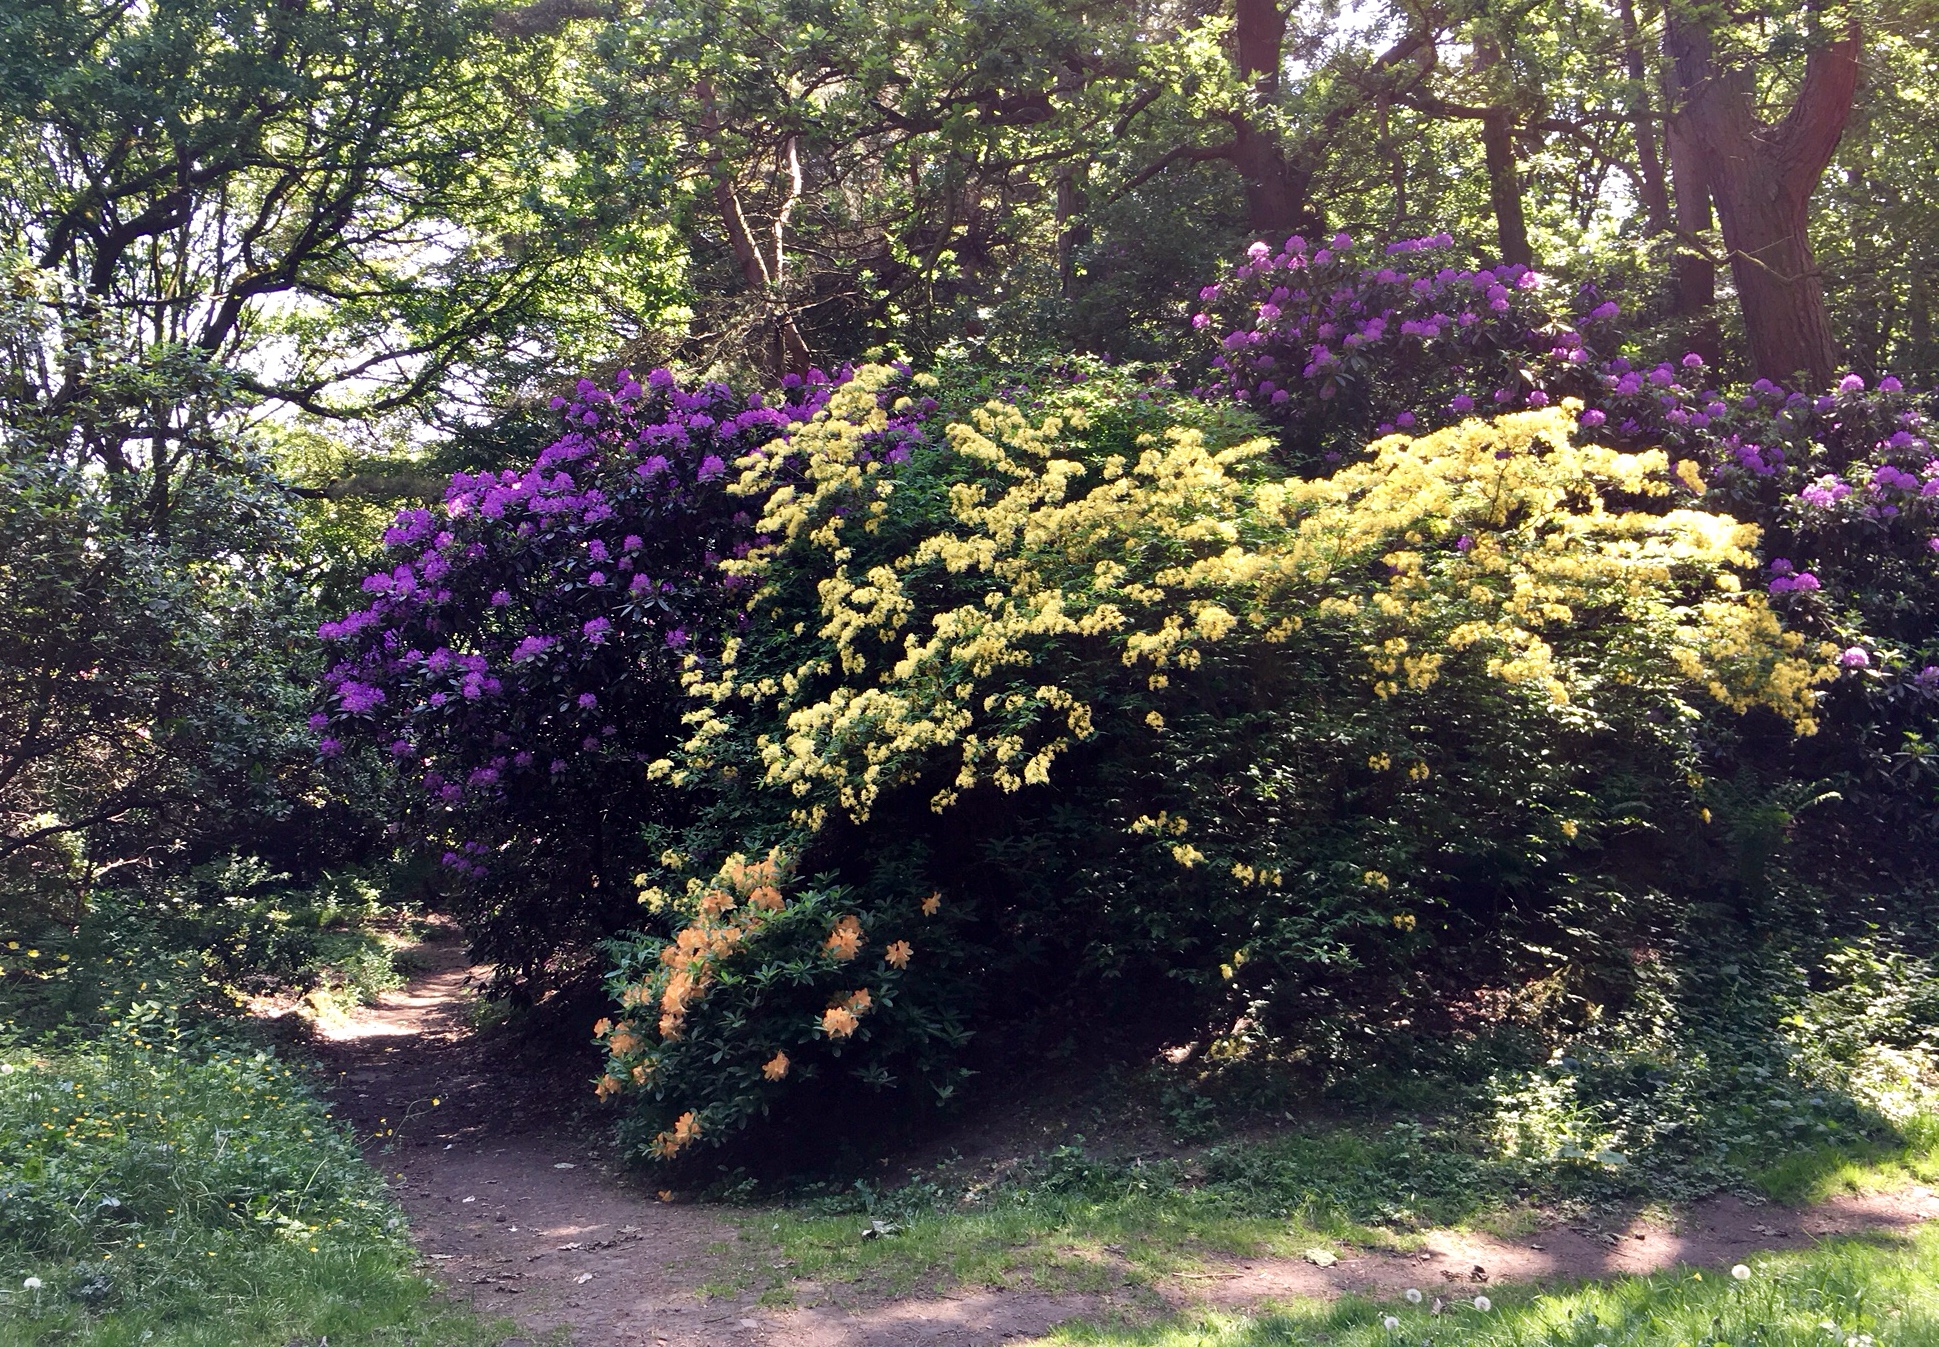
x: 517, y: 1204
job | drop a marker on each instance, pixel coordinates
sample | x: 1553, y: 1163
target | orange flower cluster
x: 685, y: 1128
x: 897, y: 954
x: 732, y: 907
x: 715, y: 933
x: 842, y: 1019
x: 845, y: 941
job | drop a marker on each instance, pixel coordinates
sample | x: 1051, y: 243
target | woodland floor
x: 520, y: 1206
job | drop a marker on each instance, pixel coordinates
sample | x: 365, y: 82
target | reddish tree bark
x: 1761, y: 176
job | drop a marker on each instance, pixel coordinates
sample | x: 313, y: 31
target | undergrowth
x: 197, y: 946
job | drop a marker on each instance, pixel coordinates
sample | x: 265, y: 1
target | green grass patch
x: 1846, y: 1293
x: 175, y: 1193
x: 1070, y: 1221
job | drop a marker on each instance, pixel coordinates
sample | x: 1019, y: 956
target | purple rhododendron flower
x: 1856, y: 658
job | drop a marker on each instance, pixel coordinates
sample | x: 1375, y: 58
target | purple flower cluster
x: 1327, y: 344
x: 1786, y: 578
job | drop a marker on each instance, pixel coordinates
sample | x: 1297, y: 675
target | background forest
x: 1385, y: 549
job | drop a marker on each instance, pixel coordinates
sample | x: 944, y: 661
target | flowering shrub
x: 518, y: 661
x: 1329, y: 343
x: 1063, y: 694
x: 1063, y: 586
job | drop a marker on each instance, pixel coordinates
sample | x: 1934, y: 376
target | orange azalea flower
x: 837, y: 1022
x: 776, y: 1066
x: 639, y: 1074
x: 766, y: 897
x: 602, y: 1028
x: 606, y: 1088
x: 897, y: 954
x: 932, y: 905
x: 624, y: 1042
x: 845, y: 941
x: 858, y: 1002
x: 685, y: 1128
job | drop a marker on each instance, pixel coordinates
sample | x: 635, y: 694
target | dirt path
x: 518, y: 1204
x: 515, y: 1200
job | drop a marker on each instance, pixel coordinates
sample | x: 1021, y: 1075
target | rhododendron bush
x: 905, y: 720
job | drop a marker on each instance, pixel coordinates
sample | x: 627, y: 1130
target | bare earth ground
x: 519, y: 1208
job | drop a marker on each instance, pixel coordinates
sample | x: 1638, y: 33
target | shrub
x: 519, y: 658
x: 1302, y: 717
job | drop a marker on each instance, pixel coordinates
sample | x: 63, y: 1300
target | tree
x: 1761, y: 175
x: 212, y: 213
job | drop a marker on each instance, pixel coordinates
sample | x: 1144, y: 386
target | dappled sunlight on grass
x: 1849, y: 1293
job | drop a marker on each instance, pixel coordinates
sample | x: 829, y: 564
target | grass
x: 1068, y: 1222
x: 1846, y: 1293
x: 170, y: 1192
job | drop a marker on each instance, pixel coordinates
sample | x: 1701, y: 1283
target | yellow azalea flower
x: 838, y: 1022
x: 897, y: 954
x: 932, y: 905
x: 776, y: 1066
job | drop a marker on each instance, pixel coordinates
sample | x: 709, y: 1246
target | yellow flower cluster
x: 1501, y: 543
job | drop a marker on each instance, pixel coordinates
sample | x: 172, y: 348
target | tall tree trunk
x: 1693, y: 276
x: 1275, y: 189
x: 1498, y: 152
x: 1642, y: 124
x: 1072, y: 233
x: 1505, y: 187
x: 765, y: 277
x: 1918, y: 320
x: 1761, y: 177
